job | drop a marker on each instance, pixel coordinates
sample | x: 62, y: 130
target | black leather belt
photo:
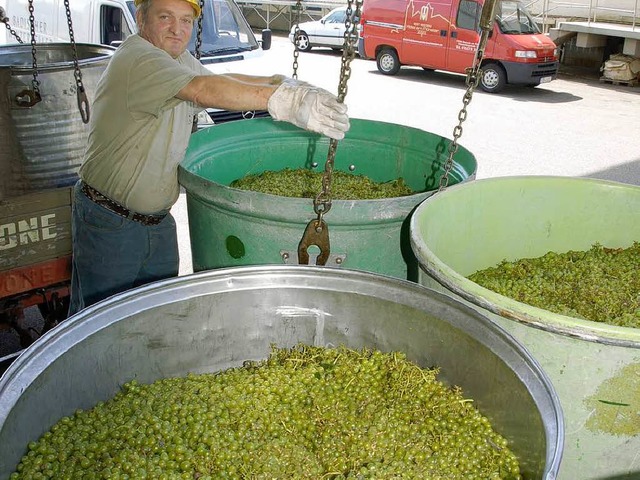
x: 104, y: 201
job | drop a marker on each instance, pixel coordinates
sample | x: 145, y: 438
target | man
x: 123, y: 234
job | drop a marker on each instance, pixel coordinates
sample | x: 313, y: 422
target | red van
x: 443, y: 35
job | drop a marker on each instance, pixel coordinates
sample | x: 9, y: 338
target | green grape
x: 600, y: 284
x: 304, y: 183
x: 303, y: 413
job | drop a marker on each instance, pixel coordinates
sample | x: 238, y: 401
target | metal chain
x: 197, y: 54
x: 474, y: 73
x: 296, y: 33
x: 83, y: 101
x: 322, y: 202
x: 199, y: 32
x: 35, y: 83
x: 28, y: 98
x: 5, y: 19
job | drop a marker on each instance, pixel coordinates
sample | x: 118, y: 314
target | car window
x: 337, y: 17
x: 468, y: 15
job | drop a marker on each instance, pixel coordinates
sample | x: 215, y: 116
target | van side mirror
x: 266, y: 39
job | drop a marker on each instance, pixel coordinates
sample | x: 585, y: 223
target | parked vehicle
x: 226, y: 35
x: 326, y: 32
x: 444, y: 36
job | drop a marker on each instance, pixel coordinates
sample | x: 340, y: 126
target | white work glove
x: 309, y: 107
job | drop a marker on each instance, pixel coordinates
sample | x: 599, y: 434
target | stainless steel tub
x: 215, y: 320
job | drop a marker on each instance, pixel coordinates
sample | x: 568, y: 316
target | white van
x: 226, y: 36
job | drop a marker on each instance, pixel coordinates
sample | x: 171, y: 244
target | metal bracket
x: 316, y: 233
x: 290, y: 257
x: 28, y: 98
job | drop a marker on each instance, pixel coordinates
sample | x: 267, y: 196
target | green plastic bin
x: 231, y: 227
x: 595, y: 367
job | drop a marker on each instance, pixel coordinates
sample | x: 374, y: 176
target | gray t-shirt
x: 139, y: 129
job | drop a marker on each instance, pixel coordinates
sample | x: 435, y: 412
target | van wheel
x: 387, y: 61
x: 302, y: 42
x: 493, y: 78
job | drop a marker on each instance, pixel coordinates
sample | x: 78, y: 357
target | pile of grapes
x: 303, y: 413
x: 600, y: 284
x: 304, y: 183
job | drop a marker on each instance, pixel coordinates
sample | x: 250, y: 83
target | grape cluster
x: 303, y: 413
x: 304, y: 183
x: 600, y: 284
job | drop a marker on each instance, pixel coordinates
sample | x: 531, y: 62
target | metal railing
x: 591, y: 11
x: 283, y: 11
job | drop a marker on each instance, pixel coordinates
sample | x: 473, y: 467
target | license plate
x: 545, y: 79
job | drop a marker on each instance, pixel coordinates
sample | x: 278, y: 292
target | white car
x: 326, y: 32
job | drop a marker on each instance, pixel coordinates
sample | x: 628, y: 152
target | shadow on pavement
x: 625, y: 173
x: 453, y: 80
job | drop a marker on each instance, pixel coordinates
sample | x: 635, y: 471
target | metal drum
x: 43, y: 145
x: 215, y: 320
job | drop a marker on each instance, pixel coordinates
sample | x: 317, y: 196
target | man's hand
x: 309, y: 107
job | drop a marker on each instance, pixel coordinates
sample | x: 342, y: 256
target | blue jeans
x: 112, y: 254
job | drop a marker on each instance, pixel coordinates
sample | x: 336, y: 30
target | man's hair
x: 143, y: 8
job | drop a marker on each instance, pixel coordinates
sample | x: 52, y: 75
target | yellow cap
x: 194, y: 3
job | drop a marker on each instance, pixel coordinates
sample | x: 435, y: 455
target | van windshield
x: 514, y: 19
x: 224, y: 29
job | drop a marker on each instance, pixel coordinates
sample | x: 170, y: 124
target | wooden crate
x: 628, y: 83
x: 35, y: 228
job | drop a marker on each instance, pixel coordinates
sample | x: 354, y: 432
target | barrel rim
x: 268, y: 205
x: 104, y: 53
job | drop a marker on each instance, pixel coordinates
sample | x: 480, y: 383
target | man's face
x: 168, y: 25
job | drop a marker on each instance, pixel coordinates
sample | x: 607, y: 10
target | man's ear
x: 139, y: 20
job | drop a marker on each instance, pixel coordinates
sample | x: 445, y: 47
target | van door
x: 464, y: 37
x: 426, y: 31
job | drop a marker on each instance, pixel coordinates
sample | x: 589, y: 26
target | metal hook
x: 316, y: 233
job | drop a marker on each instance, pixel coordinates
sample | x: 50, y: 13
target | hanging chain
x: 28, y: 98
x: 35, y: 83
x: 317, y: 231
x: 474, y: 73
x: 83, y: 101
x: 5, y: 19
x: 198, y: 54
x: 322, y: 203
x: 296, y: 33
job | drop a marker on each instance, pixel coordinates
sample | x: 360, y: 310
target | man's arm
x: 299, y: 103
x: 272, y: 80
x: 229, y: 92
